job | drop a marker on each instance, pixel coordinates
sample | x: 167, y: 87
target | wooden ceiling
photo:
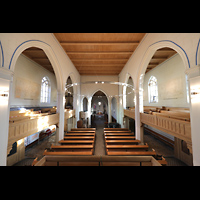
x: 159, y: 57
x: 39, y: 57
x: 99, y: 53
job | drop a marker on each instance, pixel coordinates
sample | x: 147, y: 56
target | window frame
x: 45, y: 92
x: 153, y: 89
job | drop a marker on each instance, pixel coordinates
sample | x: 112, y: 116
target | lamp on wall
x: 195, y: 93
x: 3, y: 96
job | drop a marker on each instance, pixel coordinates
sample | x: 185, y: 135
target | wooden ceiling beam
x: 98, y: 59
x: 40, y: 58
x: 99, y: 65
x: 159, y: 58
x: 99, y: 73
x: 99, y: 43
x: 99, y: 52
x: 99, y: 70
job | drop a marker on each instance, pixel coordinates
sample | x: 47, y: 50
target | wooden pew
x: 79, y: 138
x: 127, y: 147
x: 65, y: 153
x: 80, y: 134
x: 83, y: 129
x: 125, y: 137
x: 131, y: 153
x: 76, y: 142
x: 97, y: 161
x: 72, y: 148
x: 122, y: 142
x: 116, y: 129
x: 129, y: 161
x: 118, y: 134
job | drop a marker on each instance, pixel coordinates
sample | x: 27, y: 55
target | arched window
x: 153, y: 90
x: 45, y: 90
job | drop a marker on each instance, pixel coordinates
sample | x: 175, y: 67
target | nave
x: 161, y: 148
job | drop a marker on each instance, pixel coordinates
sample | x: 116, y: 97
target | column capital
x: 6, y: 74
x: 193, y: 72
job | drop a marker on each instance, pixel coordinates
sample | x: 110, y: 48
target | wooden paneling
x: 178, y: 128
x: 24, y: 128
x: 99, y: 53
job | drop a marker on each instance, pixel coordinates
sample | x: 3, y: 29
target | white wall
x: 114, y: 107
x: 171, y: 84
x: 29, y: 70
x: 130, y: 97
x: 108, y: 89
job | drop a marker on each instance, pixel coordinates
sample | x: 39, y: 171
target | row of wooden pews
x: 77, y: 142
x: 122, y: 142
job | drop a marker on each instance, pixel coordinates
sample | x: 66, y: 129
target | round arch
x: 151, y: 51
x: 49, y: 53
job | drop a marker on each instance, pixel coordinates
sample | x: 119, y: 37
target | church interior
x: 99, y: 99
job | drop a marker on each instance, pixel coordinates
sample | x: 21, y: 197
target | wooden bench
x: 114, y: 142
x: 83, y: 129
x: 127, y: 147
x: 76, y: 142
x: 65, y: 153
x: 72, y: 148
x: 116, y: 129
x: 79, y: 138
x: 80, y: 134
x: 131, y: 153
x: 126, y: 137
x: 118, y: 134
x: 55, y: 160
x: 66, y: 147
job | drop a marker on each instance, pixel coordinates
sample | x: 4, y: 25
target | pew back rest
x: 97, y: 161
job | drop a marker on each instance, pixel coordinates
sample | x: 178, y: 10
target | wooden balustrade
x: 129, y: 113
x: 19, y: 129
x: 24, y: 128
x: 178, y: 128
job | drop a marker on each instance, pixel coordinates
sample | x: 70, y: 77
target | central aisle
x: 99, y: 143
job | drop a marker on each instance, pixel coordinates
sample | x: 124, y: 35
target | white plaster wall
x: 29, y: 70
x: 171, y: 84
x: 114, y: 107
x: 153, y: 41
x: 108, y: 89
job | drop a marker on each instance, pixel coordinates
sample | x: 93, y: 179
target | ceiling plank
x: 99, y: 43
x: 98, y: 59
x: 99, y: 52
